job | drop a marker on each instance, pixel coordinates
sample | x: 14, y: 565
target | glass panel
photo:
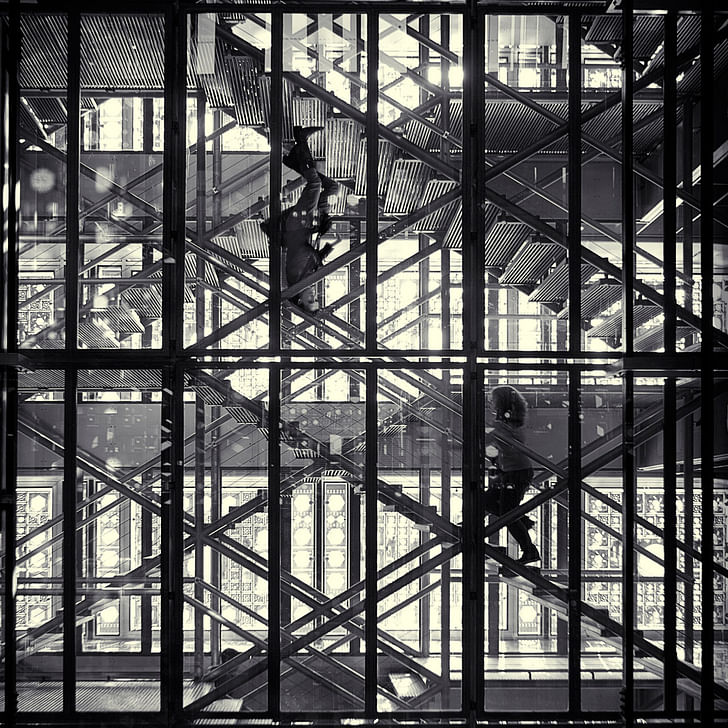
x: 720, y: 544
x: 324, y: 61
x: 601, y: 189
x: 119, y: 530
x: 525, y: 216
x: 601, y: 558
x: 42, y: 177
x: 525, y: 567
x: 419, y: 564
x: 227, y: 271
x: 322, y: 553
x: 225, y: 618
x: 39, y: 601
x: 121, y: 209
x: 420, y: 96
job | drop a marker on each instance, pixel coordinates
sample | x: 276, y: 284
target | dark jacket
x: 510, y: 457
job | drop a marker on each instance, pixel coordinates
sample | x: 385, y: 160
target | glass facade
x: 363, y: 363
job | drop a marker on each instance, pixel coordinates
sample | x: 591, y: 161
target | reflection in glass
x: 118, y: 578
x: 39, y: 565
x: 42, y: 178
x: 225, y: 618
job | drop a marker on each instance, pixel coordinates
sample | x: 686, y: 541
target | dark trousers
x: 511, y: 487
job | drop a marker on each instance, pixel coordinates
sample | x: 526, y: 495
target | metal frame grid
x: 473, y: 360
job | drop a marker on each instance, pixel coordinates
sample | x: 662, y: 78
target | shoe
x: 302, y: 133
x: 325, y: 223
x: 529, y: 555
x: 328, y: 185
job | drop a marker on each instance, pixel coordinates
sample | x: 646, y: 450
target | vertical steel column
x: 215, y: 471
x: 276, y: 139
x: 707, y: 415
x: 70, y: 446
x: 688, y: 426
x: 10, y: 101
x: 628, y: 206
x: 670, y: 545
x: 8, y: 526
x: 575, y: 545
x: 73, y: 160
x: 669, y: 175
x: 372, y: 206
x: 628, y: 460
x: 574, y: 184
x: 274, y: 539
x: 371, y: 523
x: 147, y: 477
x: 173, y: 276
x: 473, y: 338
x: 575, y: 346
x: 200, y: 314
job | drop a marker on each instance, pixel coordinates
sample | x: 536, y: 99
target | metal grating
x: 40, y: 380
x: 47, y: 111
x: 454, y: 234
x: 502, y: 241
x: 96, y: 334
x: 309, y: 111
x: 120, y: 319
x: 510, y: 126
x: 596, y: 299
x: 288, y: 90
x: 555, y: 287
x: 611, y: 327
x: 215, y: 85
x: 654, y: 339
x: 146, y: 301
x: 440, y: 219
x: 406, y: 186
x: 647, y: 33
x: 249, y: 241
x: 119, y: 379
x: 343, y: 142
x: 242, y: 75
x: 531, y: 263
x: 242, y: 415
x: 387, y: 154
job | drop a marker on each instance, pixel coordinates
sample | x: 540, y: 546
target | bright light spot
x: 42, y: 180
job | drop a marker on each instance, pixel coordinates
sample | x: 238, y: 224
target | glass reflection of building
x: 217, y: 506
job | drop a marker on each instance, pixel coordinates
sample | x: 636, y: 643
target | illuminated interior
x: 219, y: 508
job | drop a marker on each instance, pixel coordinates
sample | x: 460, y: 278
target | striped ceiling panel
x: 122, y: 51
x: 40, y: 379
x: 44, y: 52
x: 122, y: 320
